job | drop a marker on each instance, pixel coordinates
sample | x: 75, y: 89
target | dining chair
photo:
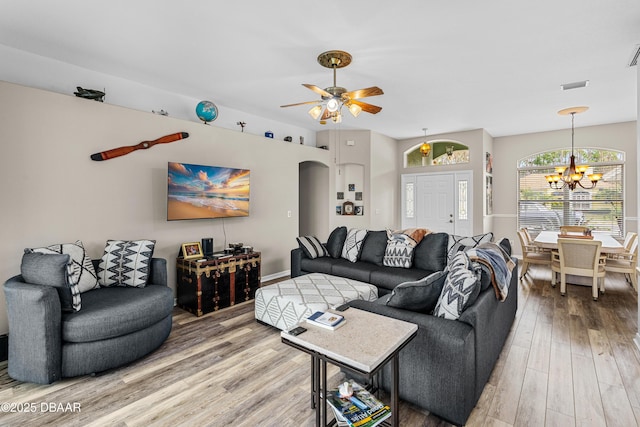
x: 572, y: 229
x: 629, y: 238
x: 626, y: 262
x: 531, y: 254
x: 579, y: 257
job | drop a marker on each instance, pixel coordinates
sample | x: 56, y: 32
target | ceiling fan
x: 333, y: 98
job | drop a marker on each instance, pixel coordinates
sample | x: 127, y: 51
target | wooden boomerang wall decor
x: 121, y: 151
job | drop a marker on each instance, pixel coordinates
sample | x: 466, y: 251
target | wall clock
x: 347, y: 208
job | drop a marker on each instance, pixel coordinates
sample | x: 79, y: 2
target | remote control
x: 297, y: 330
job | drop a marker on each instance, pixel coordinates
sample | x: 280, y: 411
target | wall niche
x: 350, y: 189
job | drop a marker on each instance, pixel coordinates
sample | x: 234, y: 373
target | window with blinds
x: 543, y: 208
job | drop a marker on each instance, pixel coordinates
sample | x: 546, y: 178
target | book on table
x: 326, y: 320
x: 362, y: 409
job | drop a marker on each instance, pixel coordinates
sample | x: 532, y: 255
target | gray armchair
x: 115, y: 326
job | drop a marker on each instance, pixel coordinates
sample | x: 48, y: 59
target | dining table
x: 549, y: 240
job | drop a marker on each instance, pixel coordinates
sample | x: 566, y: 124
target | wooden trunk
x: 211, y: 285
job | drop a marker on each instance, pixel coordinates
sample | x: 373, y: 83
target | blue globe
x: 207, y: 111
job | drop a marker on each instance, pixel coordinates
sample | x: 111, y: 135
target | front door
x: 441, y: 202
x: 435, y: 202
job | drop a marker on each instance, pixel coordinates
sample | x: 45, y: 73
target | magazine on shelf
x: 362, y: 409
x: 326, y: 320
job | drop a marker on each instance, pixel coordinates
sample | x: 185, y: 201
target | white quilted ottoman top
x: 287, y: 303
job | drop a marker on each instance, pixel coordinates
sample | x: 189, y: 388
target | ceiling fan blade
x: 317, y: 90
x: 363, y: 93
x: 326, y: 115
x: 369, y: 108
x: 300, y: 103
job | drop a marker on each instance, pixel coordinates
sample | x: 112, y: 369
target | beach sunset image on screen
x: 196, y: 191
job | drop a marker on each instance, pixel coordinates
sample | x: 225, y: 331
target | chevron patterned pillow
x: 126, y: 263
x: 461, y: 287
x: 399, y: 252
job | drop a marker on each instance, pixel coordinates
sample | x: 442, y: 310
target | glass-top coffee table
x: 363, y: 345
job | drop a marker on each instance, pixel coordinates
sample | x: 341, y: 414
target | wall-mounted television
x: 197, y: 192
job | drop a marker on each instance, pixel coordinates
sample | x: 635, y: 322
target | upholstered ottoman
x: 287, y: 303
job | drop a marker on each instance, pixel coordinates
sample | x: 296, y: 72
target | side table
x: 363, y: 345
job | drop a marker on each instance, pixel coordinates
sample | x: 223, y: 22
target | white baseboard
x: 276, y: 276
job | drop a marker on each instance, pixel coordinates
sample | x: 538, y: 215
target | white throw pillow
x: 353, y: 244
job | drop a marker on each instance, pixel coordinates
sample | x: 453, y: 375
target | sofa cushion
x: 420, y: 295
x: 390, y: 277
x: 312, y: 247
x: 461, y: 287
x: 373, y: 247
x: 83, y: 271
x: 116, y: 311
x: 126, y: 263
x: 318, y: 265
x: 360, y: 271
x: 52, y: 270
x: 431, y: 252
x: 399, y: 251
x: 353, y: 244
x: 335, y: 242
x: 461, y: 243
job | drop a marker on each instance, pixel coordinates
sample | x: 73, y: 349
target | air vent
x: 634, y: 56
x: 575, y: 85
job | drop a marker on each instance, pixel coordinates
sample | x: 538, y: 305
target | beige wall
x: 52, y: 192
x: 509, y: 149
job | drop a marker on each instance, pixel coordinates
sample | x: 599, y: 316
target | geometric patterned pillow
x: 312, y: 247
x: 399, y: 251
x: 83, y: 272
x: 458, y: 243
x: 353, y: 244
x: 461, y: 287
x: 126, y: 263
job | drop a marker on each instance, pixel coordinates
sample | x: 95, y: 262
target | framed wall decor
x: 340, y: 195
x: 489, y: 162
x: 347, y: 208
x: 192, y: 250
x: 358, y: 195
x: 352, y: 187
x: 360, y: 210
x: 489, y: 195
x: 339, y: 210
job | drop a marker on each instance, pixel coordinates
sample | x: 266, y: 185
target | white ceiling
x: 446, y: 65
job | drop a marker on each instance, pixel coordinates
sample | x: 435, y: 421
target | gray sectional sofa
x: 430, y: 255
x: 445, y: 368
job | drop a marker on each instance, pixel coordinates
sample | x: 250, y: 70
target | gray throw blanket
x: 499, y: 264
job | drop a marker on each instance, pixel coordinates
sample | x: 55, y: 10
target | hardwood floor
x: 568, y: 361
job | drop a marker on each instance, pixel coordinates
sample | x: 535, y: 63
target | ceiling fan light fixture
x: 337, y: 117
x: 316, y: 112
x: 332, y: 105
x: 355, y: 109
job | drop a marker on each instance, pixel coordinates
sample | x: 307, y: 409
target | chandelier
x: 425, y: 148
x: 571, y: 176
